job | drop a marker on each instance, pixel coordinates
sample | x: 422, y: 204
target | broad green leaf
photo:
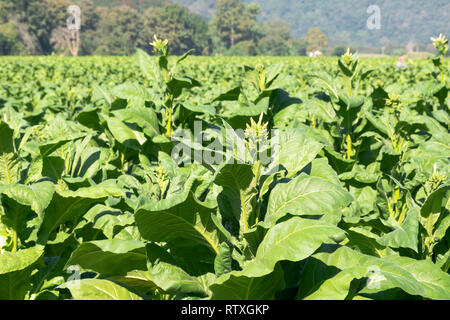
x: 292, y: 240
x: 435, y: 282
x: 432, y: 208
x: 234, y: 286
x: 149, y: 67
x: 168, y: 276
x: 97, y: 289
x: 15, y: 272
x: 110, y: 257
x: 138, y: 279
x: 130, y: 91
x: 305, y: 195
x: 238, y: 192
x: 295, y: 150
x: 68, y: 206
x: 6, y: 136
x: 37, y: 196
x: 125, y: 135
x: 406, y: 235
x: 144, y: 117
x: 181, y: 219
x: 223, y: 261
x: 9, y: 168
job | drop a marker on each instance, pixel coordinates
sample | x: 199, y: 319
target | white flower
x: 440, y: 43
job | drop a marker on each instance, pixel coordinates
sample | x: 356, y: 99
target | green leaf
x: 144, y: 117
x: 149, y: 67
x: 417, y: 278
x: 9, y: 168
x: 406, y: 235
x: 125, y: 135
x: 15, y: 272
x: 432, y: 208
x: 138, y: 279
x: 238, y: 192
x: 223, y: 261
x: 110, y: 257
x: 68, y: 206
x: 37, y: 196
x: 131, y: 91
x: 234, y: 286
x: 179, y: 219
x: 295, y: 150
x: 6, y: 136
x: 97, y: 289
x: 168, y: 276
x: 292, y: 240
x: 435, y: 282
x: 305, y: 195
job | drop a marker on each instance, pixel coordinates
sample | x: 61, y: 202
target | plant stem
x: 257, y: 177
x: 349, y: 122
x: 349, y: 146
x: 349, y: 86
x: 14, y: 239
x: 169, y: 122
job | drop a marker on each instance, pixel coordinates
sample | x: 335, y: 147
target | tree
x: 10, y: 40
x: 316, y: 40
x: 118, y: 30
x: 45, y: 16
x: 243, y: 48
x: 297, y: 47
x: 235, y: 21
x: 183, y: 29
x: 276, y: 39
x: 339, y: 51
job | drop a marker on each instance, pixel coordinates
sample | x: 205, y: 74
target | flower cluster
x: 256, y: 133
x: 348, y: 58
x: 436, y: 180
x: 160, y: 46
x: 440, y: 43
x: 393, y: 101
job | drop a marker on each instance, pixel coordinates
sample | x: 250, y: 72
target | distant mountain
x: 345, y: 21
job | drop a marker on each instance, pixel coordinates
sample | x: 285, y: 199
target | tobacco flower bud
x: 436, y: 179
x: 160, y: 46
x: 440, y: 43
x: 348, y: 58
x: 256, y: 133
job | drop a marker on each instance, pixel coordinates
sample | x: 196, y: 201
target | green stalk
x: 169, y: 122
x: 349, y: 123
x: 349, y: 86
x: 257, y: 177
x: 349, y: 146
x: 14, y: 239
x: 442, y: 70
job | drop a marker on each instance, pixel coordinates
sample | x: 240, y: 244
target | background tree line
x: 37, y: 27
x: 222, y: 27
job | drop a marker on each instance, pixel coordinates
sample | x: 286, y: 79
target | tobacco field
x: 93, y: 204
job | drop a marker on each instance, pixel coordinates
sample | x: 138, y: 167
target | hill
x: 344, y: 21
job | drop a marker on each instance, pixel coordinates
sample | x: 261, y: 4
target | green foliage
x: 316, y: 40
x: 353, y: 204
x: 119, y: 27
x: 10, y: 43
